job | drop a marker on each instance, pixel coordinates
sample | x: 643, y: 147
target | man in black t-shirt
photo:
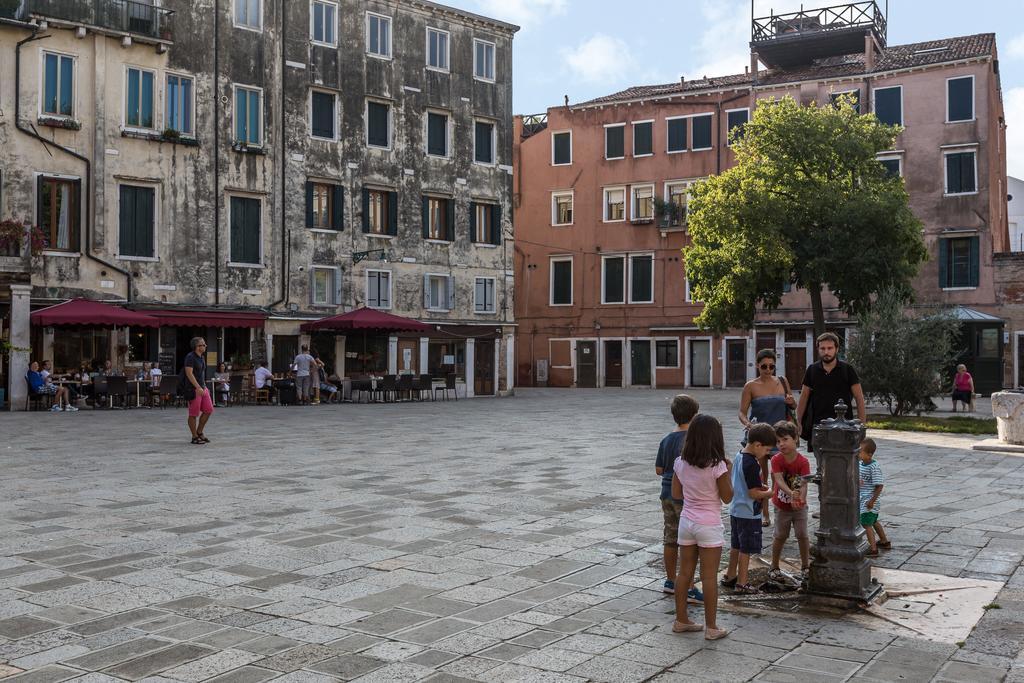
x: 200, y: 405
x: 825, y: 382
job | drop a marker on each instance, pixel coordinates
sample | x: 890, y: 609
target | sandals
x: 885, y: 546
x: 198, y: 441
x: 203, y: 438
x: 726, y: 582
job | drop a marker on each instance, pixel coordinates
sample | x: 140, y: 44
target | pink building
x: 602, y: 292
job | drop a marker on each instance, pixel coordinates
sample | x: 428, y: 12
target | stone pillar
x: 392, y: 355
x: 339, y: 355
x: 838, y: 566
x: 510, y: 363
x: 1008, y: 409
x: 424, y: 355
x: 17, y: 390
x: 470, y: 366
x: 269, y: 339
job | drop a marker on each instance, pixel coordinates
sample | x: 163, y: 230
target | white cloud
x: 523, y: 13
x: 1013, y: 109
x: 600, y: 59
x: 1015, y: 48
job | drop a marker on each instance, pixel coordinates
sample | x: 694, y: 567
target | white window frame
x: 687, y: 294
x: 391, y: 123
x: 973, y: 149
x: 494, y: 61
x: 235, y: 87
x: 903, y: 117
x: 686, y: 183
x: 74, y: 84
x: 494, y: 296
x: 447, y: 50
x: 494, y: 141
x: 247, y: 27
x: 391, y: 35
x: 899, y: 158
x: 614, y: 125
x: 679, y: 354
x: 156, y: 220
x: 390, y: 288
x: 447, y: 133
x: 77, y: 251
x: 448, y: 282
x: 312, y: 25
x: 156, y: 101
x: 554, y: 207
x: 686, y: 141
x: 561, y: 132
x: 625, y: 274
x: 729, y: 111
x: 604, y: 204
x: 974, y: 99
x: 689, y: 131
x: 633, y: 125
x: 551, y: 280
x: 263, y: 222
x: 629, y: 276
x: 334, y: 114
x: 192, y: 103
x: 334, y: 286
x: 633, y: 201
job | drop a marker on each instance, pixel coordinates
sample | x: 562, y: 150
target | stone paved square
x: 485, y: 540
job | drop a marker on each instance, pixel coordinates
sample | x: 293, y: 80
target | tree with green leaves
x: 903, y: 357
x: 807, y: 204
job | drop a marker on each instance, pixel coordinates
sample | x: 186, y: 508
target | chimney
x: 682, y: 82
x: 753, y: 65
x: 869, y: 52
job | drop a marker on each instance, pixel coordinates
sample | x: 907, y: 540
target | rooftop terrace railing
x: 865, y: 15
x: 125, y: 16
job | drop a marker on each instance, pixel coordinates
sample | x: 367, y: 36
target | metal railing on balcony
x: 864, y: 15
x: 126, y: 16
x: 533, y: 124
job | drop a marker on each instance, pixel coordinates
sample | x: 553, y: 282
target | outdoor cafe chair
x: 235, y: 393
x: 117, y: 390
x: 100, y: 392
x: 449, y: 385
x: 424, y: 383
x: 387, y: 387
x: 405, y: 386
x: 39, y: 400
x: 168, y: 390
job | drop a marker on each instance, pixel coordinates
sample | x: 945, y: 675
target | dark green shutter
x: 252, y: 231
x: 449, y: 220
x: 42, y: 220
x: 237, y: 229
x: 338, y: 207
x: 968, y: 183
x: 677, y: 135
x: 426, y: 216
x: 309, y: 204
x: 975, y: 261
x: 392, y: 213
x: 126, y: 238
x: 495, y: 224
x: 943, y: 263
x: 144, y: 206
x: 472, y: 222
x: 366, y: 210
x: 614, y: 142
x: 643, y: 139
x: 702, y: 132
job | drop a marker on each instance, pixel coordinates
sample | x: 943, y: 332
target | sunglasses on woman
x: 765, y: 366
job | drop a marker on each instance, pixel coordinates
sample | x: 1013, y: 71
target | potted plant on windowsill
x: 13, y: 234
x: 668, y: 213
x: 171, y: 135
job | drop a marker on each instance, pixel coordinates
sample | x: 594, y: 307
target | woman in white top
x: 222, y: 380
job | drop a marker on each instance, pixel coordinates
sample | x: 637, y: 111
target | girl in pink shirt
x: 702, y: 479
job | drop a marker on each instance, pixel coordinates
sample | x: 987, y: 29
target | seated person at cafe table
x: 263, y: 378
x: 40, y: 385
x: 109, y: 371
x: 222, y: 384
x: 47, y: 372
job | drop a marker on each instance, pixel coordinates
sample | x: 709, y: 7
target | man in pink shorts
x: 199, y: 400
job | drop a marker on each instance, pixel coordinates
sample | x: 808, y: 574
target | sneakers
x: 694, y: 596
x: 70, y: 408
x: 55, y: 408
x: 669, y: 587
x: 726, y: 582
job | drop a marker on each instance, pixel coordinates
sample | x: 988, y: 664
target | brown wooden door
x: 736, y: 367
x: 483, y: 368
x: 796, y: 363
x: 613, y: 363
x: 586, y: 364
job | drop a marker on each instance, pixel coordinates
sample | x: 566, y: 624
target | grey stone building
x: 239, y: 167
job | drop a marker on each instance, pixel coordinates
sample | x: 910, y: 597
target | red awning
x: 209, y: 318
x: 366, y: 319
x: 88, y: 313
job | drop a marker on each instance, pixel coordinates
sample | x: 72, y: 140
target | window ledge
x: 701, y: 149
x: 150, y: 259
x: 641, y: 221
x: 959, y: 194
x: 561, y: 225
x: 560, y: 305
x: 677, y: 151
x: 958, y: 289
x: 439, y: 310
x: 325, y: 231
x: 614, y: 220
x: 962, y: 121
x: 485, y: 312
x: 485, y: 245
x: 439, y: 157
x: 614, y: 158
x: 437, y: 69
x: 435, y: 240
x: 320, y: 43
x: 568, y: 164
x: 378, y: 308
x: 320, y: 138
x: 245, y: 148
x: 379, y: 56
x: 379, y: 235
x: 641, y: 156
x: 255, y: 266
x: 62, y: 254
x: 65, y: 122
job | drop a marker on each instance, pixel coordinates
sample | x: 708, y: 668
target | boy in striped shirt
x: 871, y: 484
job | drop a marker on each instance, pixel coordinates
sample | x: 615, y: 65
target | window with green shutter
x: 437, y: 134
x: 378, y: 124
x: 643, y: 138
x: 615, y: 141
x: 961, y: 173
x: 322, y: 105
x: 702, y: 132
x: 889, y: 105
x: 677, y: 135
x: 735, y: 120
x: 960, y: 99
x: 959, y: 261
x: 483, y: 142
x: 136, y: 221
x: 245, y: 230
x: 325, y: 206
x: 561, y: 148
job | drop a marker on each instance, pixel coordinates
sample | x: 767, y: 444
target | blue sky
x: 586, y: 48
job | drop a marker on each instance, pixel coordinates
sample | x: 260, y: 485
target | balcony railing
x: 533, y: 124
x: 865, y: 15
x: 125, y: 16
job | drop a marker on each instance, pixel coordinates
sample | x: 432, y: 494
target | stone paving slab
x: 526, y: 548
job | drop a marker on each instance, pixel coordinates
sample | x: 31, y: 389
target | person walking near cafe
x: 200, y: 404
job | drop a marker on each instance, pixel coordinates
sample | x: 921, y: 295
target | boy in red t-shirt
x: 790, y: 496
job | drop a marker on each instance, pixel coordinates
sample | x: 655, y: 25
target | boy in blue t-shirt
x: 684, y: 407
x: 745, y: 509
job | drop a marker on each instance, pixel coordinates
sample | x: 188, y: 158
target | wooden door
x: 613, y: 363
x: 483, y: 367
x: 640, y: 362
x: 586, y: 364
x: 796, y: 363
x: 736, y: 365
x: 700, y: 363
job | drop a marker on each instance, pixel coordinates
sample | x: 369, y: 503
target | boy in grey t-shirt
x: 303, y: 380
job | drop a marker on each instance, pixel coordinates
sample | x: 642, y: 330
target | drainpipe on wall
x: 285, y: 247
x: 87, y: 190
x: 216, y: 155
